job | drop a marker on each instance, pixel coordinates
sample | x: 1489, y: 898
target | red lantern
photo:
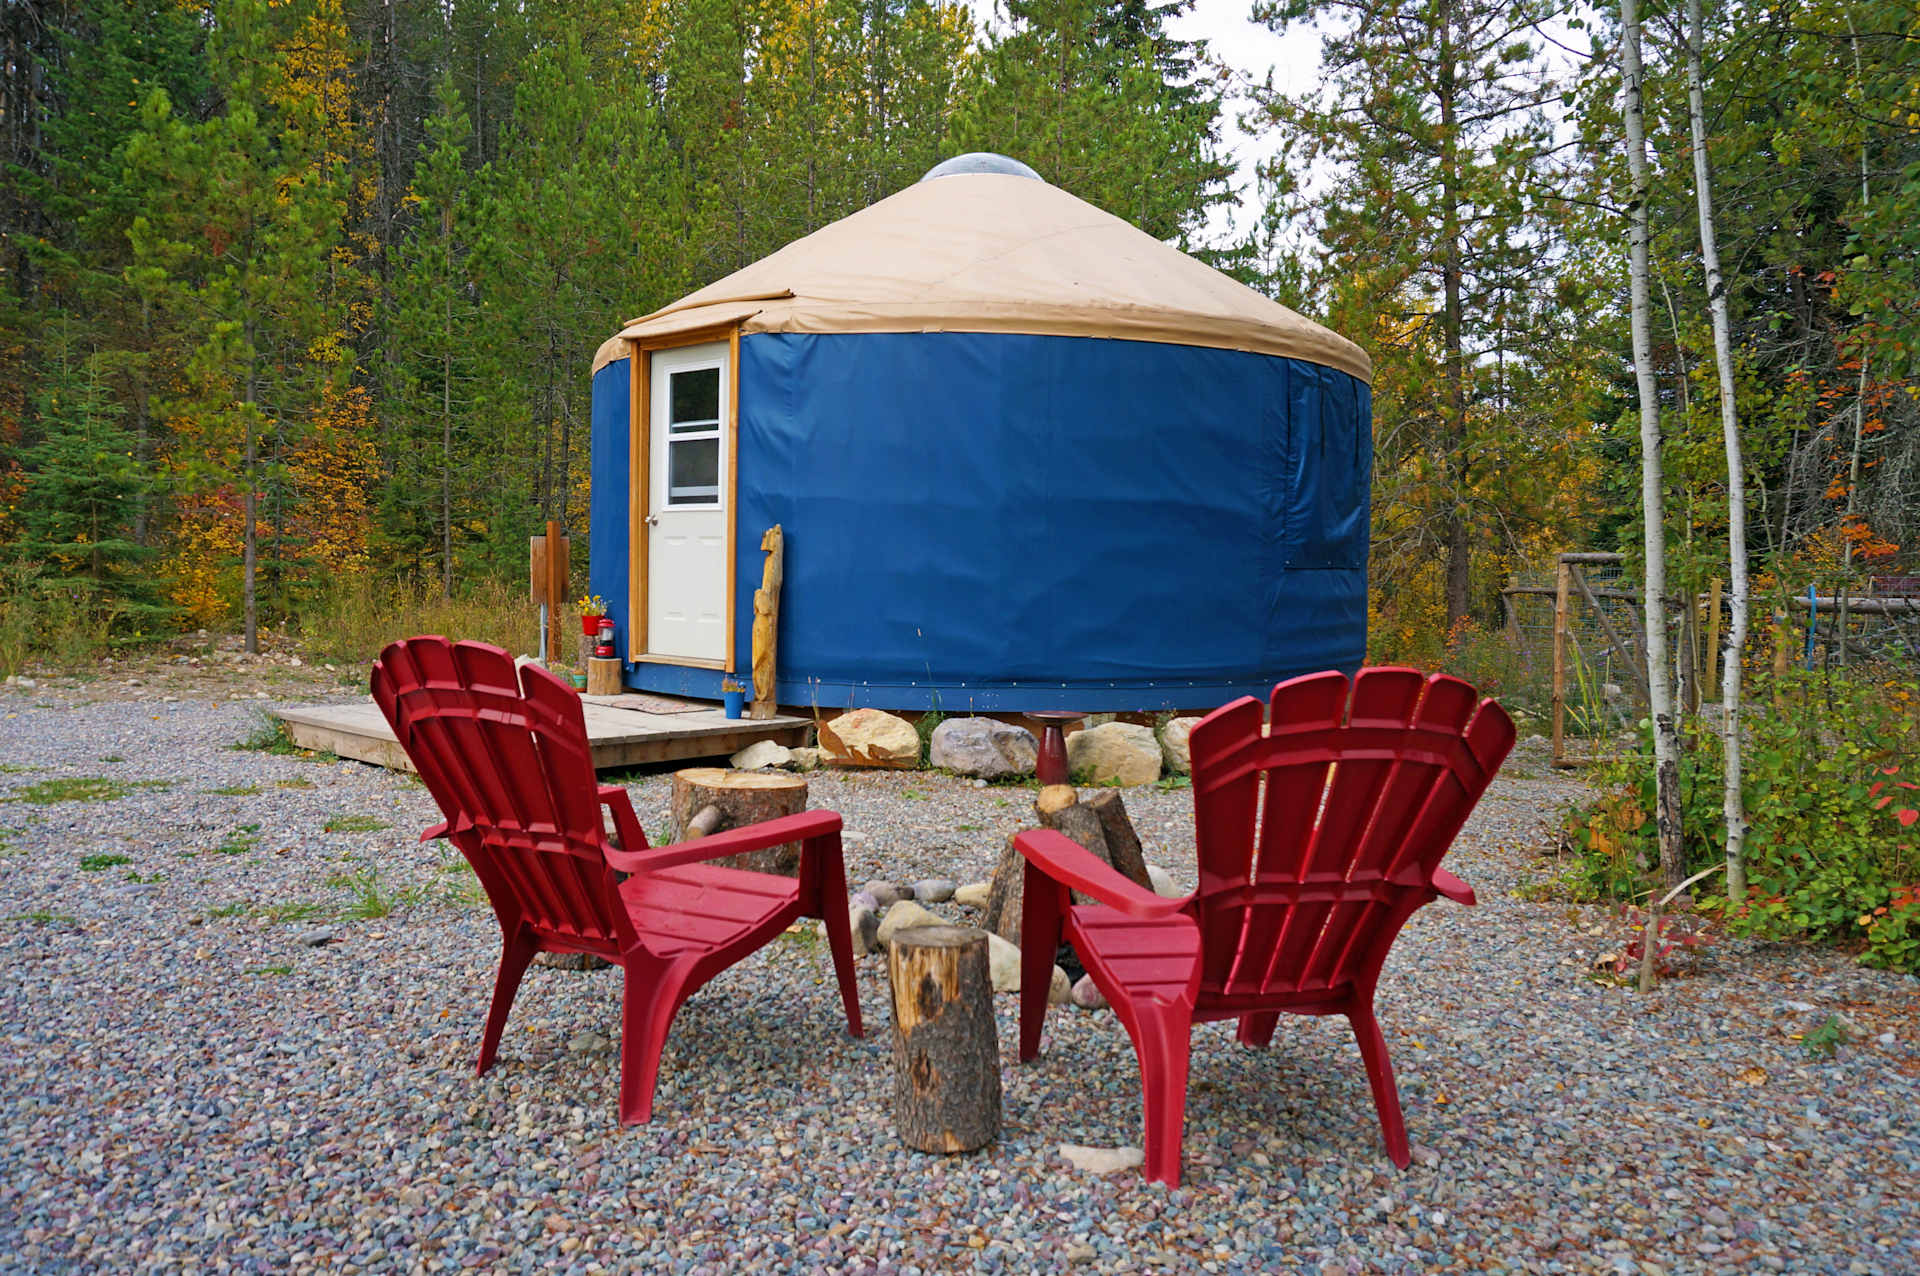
x: 604, y: 647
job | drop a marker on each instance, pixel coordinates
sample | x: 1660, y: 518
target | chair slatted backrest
x: 1363, y: 794
x: 504, y: 752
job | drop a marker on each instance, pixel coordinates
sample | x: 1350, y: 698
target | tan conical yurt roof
x: 994, y: 252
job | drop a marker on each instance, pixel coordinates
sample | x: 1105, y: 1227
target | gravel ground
x: 185, y: 1084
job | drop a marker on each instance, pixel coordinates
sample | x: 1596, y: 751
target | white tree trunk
x: 1859, y: 425
x: 1733, y: 804
x: 1666, y: 743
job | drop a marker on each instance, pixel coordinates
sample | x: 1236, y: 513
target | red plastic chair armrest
x: 1071, y: 864
x: 625, y: 823
x: 799, y: 827
x: 1445, y: 883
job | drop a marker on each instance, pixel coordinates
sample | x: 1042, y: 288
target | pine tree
x: 233, y: 250
x: 1440, y: 243
x: 1097, y: 99
x: 435, y: 353
x: 81, y: 485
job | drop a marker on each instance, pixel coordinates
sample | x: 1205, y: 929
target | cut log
x: 1054, y: 797
x: 571, y: 961
x: 1082, y: 822
x: 946, y: 1049
x: 740, y: 798
x: 704, y: 824
x: 1123, y: 843
x: 1005, y: 893
x: 603, y: 676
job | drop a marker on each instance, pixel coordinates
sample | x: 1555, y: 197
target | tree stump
x: 946, y: 1048
x: 710, y: 799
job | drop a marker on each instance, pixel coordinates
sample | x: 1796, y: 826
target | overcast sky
x: 1253, y: 50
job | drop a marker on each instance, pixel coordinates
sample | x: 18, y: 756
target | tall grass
x: 48, y: 619
x: 353, y: 617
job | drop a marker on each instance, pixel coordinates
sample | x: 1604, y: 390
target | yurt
x: 1024, y: 457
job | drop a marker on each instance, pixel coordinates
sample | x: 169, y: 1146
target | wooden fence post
x: 1563, y: 586
x: 557, y: 567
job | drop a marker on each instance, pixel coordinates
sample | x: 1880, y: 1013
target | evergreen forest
x: 303, y: 292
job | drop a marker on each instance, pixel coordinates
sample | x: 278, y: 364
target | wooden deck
x: 624, y: 730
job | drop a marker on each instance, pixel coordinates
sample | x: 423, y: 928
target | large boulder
x: 870, y: 737
x: 761, y: 753
x: 1003, y: 964
x: 983, y: 747
x: 1115, y: 752
x: 904, y: 915
x: 864, y: 922
x: 1173, y: 744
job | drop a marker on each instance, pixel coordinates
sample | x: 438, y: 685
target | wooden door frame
x: 640, y: 490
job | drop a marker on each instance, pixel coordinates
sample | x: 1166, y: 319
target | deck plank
x: 619, y: 736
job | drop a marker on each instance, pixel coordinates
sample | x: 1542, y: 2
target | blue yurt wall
x: 1005, y: 520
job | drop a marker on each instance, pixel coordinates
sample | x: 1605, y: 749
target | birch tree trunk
x: 1733, y: 804
x: 1859, y: 421
x: 1666, y: 743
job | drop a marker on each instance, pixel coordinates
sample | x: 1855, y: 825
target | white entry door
x: 687, y: 502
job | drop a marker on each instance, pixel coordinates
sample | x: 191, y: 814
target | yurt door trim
x: 642, y: 632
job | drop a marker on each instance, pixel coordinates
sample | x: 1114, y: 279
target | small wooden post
x: 946, y: 1048
x: 1690, y: 653
x: 766, y: 624
x: 1562, y: 587
x: 603, y: 676
x: 1713, y: 633
x: 550, y: 569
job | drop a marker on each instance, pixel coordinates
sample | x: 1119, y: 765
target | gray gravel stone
x: 933, y: 890
x: 211, y: 1097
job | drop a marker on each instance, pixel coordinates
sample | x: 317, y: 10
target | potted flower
x: 735, y: 697
x: 592, y: 607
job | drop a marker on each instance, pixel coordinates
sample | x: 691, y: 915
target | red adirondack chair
x: 504, y: 752
x: 1294, y: 915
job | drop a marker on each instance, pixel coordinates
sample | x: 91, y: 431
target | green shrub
x: 51, y: 619
x: 1828, y: 854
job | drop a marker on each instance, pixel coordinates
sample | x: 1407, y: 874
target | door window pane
x: 693, y: 471
x: 695, y: 399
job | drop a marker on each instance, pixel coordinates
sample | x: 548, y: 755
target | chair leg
x: 516, y: 954
x: 1386, y: 1097
x: 1042, y: 902
x: 651, y: 997
x: 840, y: 944
x: 1256, y: 1029
x: 1162, y: 1038
x: 823, y: 894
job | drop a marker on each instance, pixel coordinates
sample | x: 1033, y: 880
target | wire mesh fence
x: 1604, y: 651
x: 1603, y: 679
